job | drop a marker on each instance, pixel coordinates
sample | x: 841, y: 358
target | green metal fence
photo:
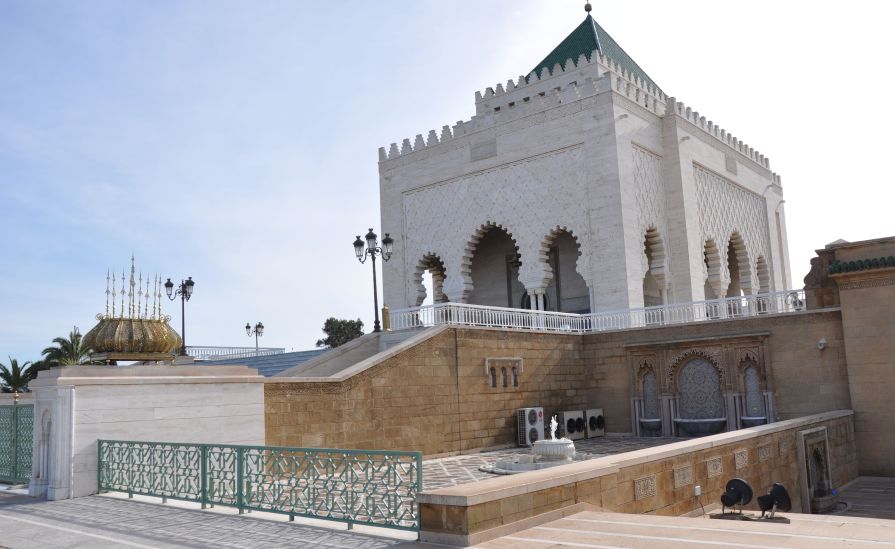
x: 377, y: 488
x: 16, y: 440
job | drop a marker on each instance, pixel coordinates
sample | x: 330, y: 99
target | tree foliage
x: 340, y: 331
x: 67, y: 352
x: 15, y: 378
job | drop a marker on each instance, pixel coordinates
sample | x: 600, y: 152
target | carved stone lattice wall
x: 724, y: 208
x: 551, y: 191
x: 650, y: 396
x: 754, y: 401
x: 700, y: 390
x: 649, y: 193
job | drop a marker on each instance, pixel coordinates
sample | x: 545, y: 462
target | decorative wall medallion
x: 764, y: 453
x: 741, y: 458
x: 645, y: 487
x: 784, y: 446
x: 714, y: 467
x: 683, y: 476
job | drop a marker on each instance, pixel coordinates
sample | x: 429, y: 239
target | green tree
x: 67, y: 352
x: 15, y: 378
x: 340, y: 331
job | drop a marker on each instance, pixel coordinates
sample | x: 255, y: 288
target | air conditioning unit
x: 571, y: 424
x: 530, y: 422
x: 596, y: 424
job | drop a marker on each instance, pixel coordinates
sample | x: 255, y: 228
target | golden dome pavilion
x: 131, y: 329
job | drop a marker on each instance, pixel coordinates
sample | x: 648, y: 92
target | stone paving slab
x: 456, y: 470
x: 106, y: 522
x: 606, y: 530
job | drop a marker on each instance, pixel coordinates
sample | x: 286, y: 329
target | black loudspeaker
x: 737, y: 493
x: 777, y: 499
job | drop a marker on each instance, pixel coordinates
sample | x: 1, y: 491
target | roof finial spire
x: 587, y: 7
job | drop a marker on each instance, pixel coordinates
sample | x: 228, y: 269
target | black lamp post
x: 185, y: 291
x: 371, y: 249
x: 257, y: 331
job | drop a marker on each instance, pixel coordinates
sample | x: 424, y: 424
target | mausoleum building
x: 581, y: 187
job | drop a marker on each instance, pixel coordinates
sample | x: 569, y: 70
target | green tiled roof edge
x: 837, y: 267
x: 586, y: 38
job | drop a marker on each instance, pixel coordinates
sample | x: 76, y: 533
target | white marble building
x: 581, y: 187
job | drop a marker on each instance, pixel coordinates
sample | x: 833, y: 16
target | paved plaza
x: 452, y: 471
x: 100, y: 522
x: 593, y: 530
x: 106, y: 522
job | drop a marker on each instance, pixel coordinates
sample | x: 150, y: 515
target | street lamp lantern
x: 372, y: 250
x: 185, y: 291
x: 387, y: 244
x: 359, y: 249
x: 257, y: 331
x: 371, y: 237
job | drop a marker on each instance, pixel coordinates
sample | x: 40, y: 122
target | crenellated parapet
x: 571, y: 81
x: 720, y: 134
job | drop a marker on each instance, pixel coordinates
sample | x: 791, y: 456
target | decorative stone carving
x: 645, y: 487
x: 650, y: 396
x: 784, y: 446
x: 714, y: 467
x: 724, y: 208
x: 683, y: 476
x: 741, y: 458
x: 764, y: 453
x: 754, y: 400
x: 682, y: 358
x: 504, y: 362
x: 649, y: 193
x: 699, y: 391
x: 450, y: 213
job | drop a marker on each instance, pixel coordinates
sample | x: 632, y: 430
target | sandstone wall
x: 436, y: 398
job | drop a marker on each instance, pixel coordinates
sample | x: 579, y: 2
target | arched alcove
x: 764, y: 275
x: 654, y: 277
x: 566, y: 291
x: 738, y: 267
x: 712, y: 258
x: 494, y: 269
x: 650, y: 396
x: 429, y: 279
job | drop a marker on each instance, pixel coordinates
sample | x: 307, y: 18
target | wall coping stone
x: 144, y: 375
x: 512, y: 485
x: 367, y: 363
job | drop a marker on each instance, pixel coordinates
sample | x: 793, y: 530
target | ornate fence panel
x: 377, y: 488
x: 16, y: 441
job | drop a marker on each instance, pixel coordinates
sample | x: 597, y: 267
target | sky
x: 236, y: 142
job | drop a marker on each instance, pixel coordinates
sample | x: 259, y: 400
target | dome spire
x: 587, y: 7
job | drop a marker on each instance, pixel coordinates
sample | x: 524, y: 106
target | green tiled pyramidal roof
x: 586, y: 38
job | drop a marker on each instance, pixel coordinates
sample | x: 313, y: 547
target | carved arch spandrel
x: 712, y: 356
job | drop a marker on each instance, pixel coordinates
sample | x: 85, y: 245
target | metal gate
x: 16, y: 440
x: 376, y: 488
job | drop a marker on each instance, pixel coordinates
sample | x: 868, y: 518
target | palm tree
x: 67, y: 352
x: 15, y: 378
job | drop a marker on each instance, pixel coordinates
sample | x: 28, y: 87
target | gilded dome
x: 134, y: 331
x: 132, y: 335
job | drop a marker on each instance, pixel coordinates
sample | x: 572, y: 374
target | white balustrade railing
x: 224, y: 353
x: 663, y: 315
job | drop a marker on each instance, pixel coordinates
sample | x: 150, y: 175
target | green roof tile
x: 586, y: 38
